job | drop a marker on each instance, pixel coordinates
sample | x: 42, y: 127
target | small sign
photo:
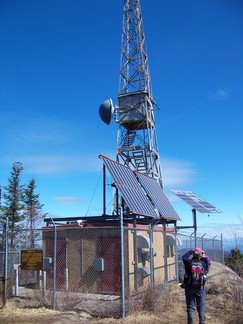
x: 32, y: 260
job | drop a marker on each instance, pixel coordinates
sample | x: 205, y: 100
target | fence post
x: 151, y: 256
x: 214, y: 248
x: 191, y: 240
x: 44, y: 283
x: 122, y: 266
x: 54, y: 266
x: 165, y: 254
x: 176, y: 257
x: 5, y: 278
x: 66, y: 278
x: 16, y: 272
x: 135, y: 252
x: 222, y: 248
x: 202, y: 239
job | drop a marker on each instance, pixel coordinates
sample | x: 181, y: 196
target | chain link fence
x: 94, y: 268
x: 213, y: 247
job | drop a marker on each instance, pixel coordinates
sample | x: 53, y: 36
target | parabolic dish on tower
x: 106, y: 111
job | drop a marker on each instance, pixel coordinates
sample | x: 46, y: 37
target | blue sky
x: 60, y: 59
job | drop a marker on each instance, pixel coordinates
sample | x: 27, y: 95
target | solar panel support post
x: 194, y: 214
x: 117, y: 201
x: 104, y: 189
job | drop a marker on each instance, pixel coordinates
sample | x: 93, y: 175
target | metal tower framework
x: 137, y: 145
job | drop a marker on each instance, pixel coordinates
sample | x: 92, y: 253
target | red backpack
x: 196, y: 274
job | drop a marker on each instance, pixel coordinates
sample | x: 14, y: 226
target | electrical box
x: 47, y: 263
x: 98, y: 264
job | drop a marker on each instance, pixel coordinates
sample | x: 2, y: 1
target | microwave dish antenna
x: 106, y: 111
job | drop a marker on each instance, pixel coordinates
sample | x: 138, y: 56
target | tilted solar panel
x: 137, y: 202
x: 158, y: 197
x: 196, y: 202
x: 121, y: 173
x: 130, y: 189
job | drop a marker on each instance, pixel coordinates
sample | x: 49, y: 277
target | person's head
x: 203, y: 253
x: 197, y: 253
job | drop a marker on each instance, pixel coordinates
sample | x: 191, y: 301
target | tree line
x: 22, y: 209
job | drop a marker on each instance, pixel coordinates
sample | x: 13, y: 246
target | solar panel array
x: 131, y: 191
x: 158, y: 197
x: 196, y: 202
x: 142, y: 194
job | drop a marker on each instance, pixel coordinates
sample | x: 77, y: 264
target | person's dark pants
x: 195, y: 297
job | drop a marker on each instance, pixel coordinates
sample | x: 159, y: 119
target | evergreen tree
x: 32, y: 213
x: 235, y: 261
x: 13, y: 206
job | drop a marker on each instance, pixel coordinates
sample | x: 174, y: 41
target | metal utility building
x: 92, y: 250
x: 89, y: 257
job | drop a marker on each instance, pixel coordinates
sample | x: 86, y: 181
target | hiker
x: 195, y: 276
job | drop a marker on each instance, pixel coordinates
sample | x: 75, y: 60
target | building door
x: 109, y: 279
x: 60, y: 262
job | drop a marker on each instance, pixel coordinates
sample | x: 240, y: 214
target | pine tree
x: 32, y: 213
x: 235, y: 261
x: 13, y: 206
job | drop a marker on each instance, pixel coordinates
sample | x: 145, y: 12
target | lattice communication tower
x: 137, y: 145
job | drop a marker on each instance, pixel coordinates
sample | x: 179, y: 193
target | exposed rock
x: 221, y: 280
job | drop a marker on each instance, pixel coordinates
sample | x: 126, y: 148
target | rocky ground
x: 224, y: 305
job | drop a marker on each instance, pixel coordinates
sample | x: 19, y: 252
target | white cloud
x: 58, y: 164
x: 55, y: 164
x: 68, y: 200
x: 177, y: 173
x: 218, y: 95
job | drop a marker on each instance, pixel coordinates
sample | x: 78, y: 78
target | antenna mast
x: 137, y: 145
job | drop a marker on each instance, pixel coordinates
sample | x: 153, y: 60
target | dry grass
x: 149, y: 307
x: 170, y: 307
x: 163, y: 304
